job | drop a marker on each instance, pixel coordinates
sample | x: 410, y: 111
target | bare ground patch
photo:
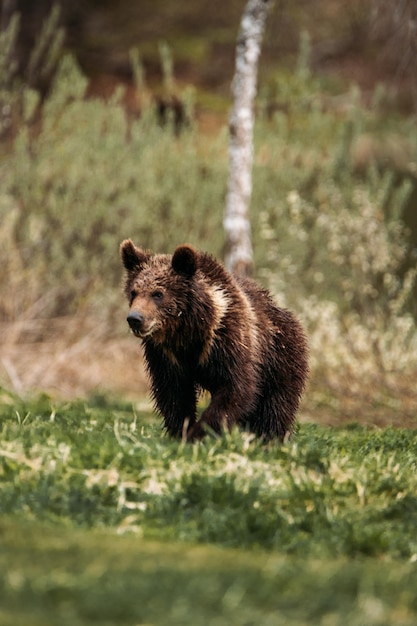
x: 70, y: 357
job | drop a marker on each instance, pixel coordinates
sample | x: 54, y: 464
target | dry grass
x: 70, y: 357
x: 381, y: 404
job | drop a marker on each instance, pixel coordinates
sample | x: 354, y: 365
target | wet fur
x: 216, y: 332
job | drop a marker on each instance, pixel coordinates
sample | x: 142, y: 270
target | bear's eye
x: 157, y: 294
x: 132, y: 295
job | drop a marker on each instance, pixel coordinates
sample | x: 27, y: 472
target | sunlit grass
x: 104, y: 519
x: 327, y: 492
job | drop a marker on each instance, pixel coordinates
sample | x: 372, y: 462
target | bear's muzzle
x: 136, y: 322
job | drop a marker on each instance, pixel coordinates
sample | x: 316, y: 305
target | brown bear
x: 203, y: 328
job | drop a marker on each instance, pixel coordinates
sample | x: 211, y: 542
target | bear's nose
x: 135, y: 320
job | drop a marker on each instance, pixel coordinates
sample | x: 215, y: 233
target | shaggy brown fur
x: 204, y: 329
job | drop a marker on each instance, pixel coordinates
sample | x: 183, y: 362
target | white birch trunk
x: 239, y: 254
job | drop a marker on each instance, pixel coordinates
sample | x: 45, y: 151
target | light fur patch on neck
x: 250, y: 340
x: 221, y: 302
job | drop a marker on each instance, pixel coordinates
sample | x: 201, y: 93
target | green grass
x: 104, y: 520
x: 59, y: 576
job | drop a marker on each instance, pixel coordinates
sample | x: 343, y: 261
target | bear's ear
x: 133, y: 258
x: 185, y: 260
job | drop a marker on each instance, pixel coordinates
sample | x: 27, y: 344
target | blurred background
x: 113, y: 124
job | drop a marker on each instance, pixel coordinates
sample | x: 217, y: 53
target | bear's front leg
x: 179, y: 413
x: 223, y: 412
x: 173, y: 391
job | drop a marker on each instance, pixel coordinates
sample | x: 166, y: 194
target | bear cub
x: 204, y: 329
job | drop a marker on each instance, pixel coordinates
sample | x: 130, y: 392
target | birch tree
x: 236, y: 223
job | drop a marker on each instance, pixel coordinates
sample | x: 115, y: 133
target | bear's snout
x: 135, y: 321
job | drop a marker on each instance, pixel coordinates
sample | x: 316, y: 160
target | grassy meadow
x: 103, y: 520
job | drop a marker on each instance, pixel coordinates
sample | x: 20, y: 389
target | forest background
x: 114, y: 124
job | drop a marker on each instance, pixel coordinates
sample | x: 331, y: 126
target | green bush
x: 84, y: 179
x: 329, y: 239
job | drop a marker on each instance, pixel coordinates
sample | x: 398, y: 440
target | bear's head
x: 157, y: 287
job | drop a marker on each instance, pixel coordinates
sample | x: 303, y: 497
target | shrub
x: 85, y: 179
x: 332, y: 242
x: 329, y: 241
